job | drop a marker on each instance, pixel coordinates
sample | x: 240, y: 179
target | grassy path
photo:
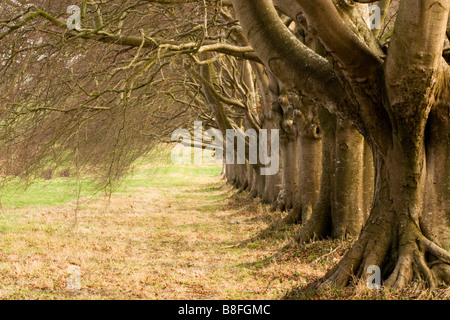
x: 169, y: 234
x: 173, y: 233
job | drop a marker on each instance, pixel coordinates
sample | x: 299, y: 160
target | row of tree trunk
x: 325, y: 180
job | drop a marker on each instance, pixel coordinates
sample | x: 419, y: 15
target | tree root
x: 280, y: 203
x: 253, y: 194
x: 243, y: 187
x: 416, y: 257
x: 294, y: 216
x: 317, y: 227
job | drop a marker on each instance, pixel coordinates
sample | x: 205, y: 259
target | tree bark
x: 392, y: 237
x: 288, y: 199
x: 319, y: 225
x: 389, y: 102
x: 230, y: 173
x: 310, y: 155
x: 339, y: 211
x: 368, y: 181
x: 435, y: 220
x: 348, y: 207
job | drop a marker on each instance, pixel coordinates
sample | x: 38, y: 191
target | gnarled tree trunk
x: 390, y: 101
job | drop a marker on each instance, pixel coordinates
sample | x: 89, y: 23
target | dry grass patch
x: 155, y: 243
x: 192, y: 237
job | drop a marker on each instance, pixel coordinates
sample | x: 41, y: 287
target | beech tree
x: 363, y: 114
x: 399, y: 102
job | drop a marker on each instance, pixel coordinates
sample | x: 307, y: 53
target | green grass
x: 166, y: 177
x: 45, y: 193
x: 172, y: 232
x: 62, y: 190
x: 167, y: 232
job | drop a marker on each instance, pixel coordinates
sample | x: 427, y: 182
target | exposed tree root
x: 243, y: 187
x: 280, y: 203
x: 294, y: 216
x: 313, y: 229
x: 253, y: 194
x: 414, y: 257
x: 318, y: 226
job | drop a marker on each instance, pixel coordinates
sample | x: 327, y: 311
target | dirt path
x: 179, y: 241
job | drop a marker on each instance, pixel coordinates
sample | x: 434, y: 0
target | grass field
x: 168, y: 232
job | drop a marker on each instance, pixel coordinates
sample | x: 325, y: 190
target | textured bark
x: 348, y: 207
x: 319, y: 225
x: 435, y: 220
x: 416, y: 84
x: 250, y: 175
x: 389, y: 102
x: 288, y: 199
x: 310, y: 155
x: 253, y: 192
x: 271, y: 189
x: 241, y: 177
x: 302, y: 126
x: 392, y: 238
x: 272, y: 183
x: 230, y: 173
x: 260, y: 183
x: 339, y: 211
x: 368, y: 181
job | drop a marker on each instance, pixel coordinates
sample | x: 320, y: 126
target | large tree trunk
x: 339, y: 211
x: 435, y: 220
x: 230, y: 173
x: 253, y: 191
x: 348, y: 207
x: 310, y: 155
x: 250, y: 175
x: 272, y: 184
x: 368, y: 181
x: 392, y: 238
x: 287, y: 198
x: 319, y: 224
x: 242, y: 177
x: 388, y: 99
x: 260, y: 183
x: 301, y: 122
x: 272, y: 189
